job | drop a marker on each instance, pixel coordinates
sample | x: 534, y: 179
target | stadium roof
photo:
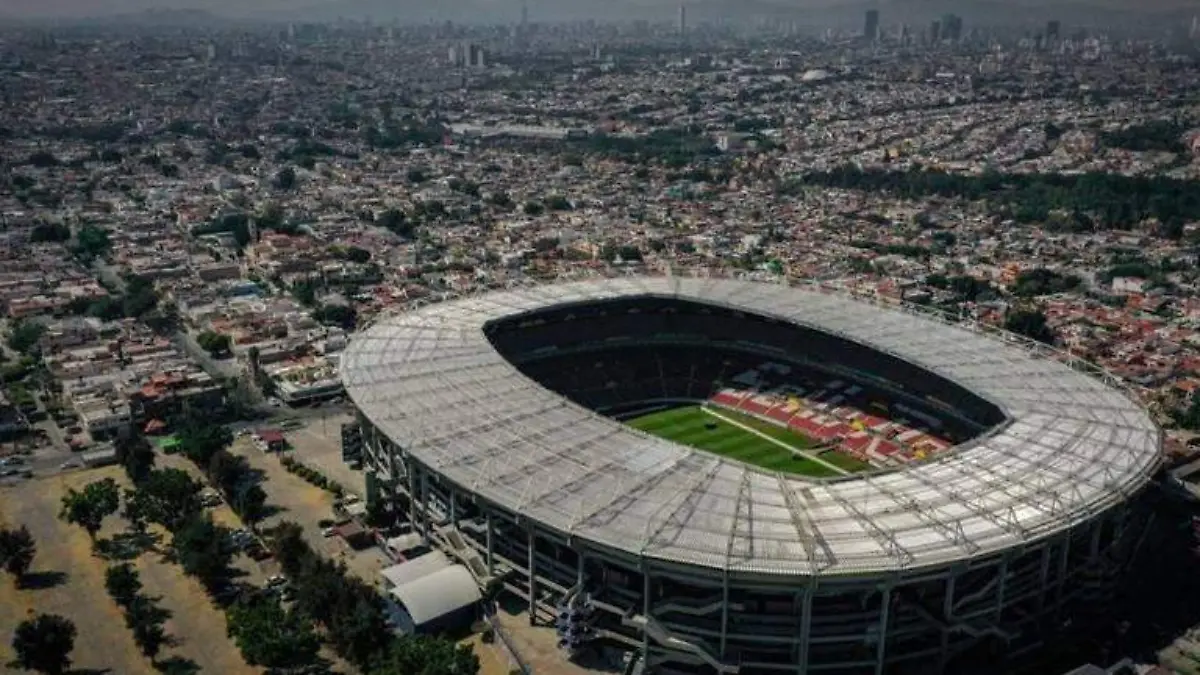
x: 1074, y: 445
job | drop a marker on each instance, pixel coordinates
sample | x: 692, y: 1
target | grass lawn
x: 691, y: 425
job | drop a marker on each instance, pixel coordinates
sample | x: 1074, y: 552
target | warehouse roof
x: 1074, y: 444
x: 437, y: 594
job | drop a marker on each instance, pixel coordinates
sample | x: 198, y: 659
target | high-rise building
x: 524, y: 16
x: 935, y: 31
x: 952, y: 27
x: 682, y: 19
x: 871, y: 25
x: 1053, y: 29
x: 1194, y: 33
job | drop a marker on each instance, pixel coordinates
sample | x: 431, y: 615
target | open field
x: 196, y: 627
x: 72, y: 577
x: 700, y: 428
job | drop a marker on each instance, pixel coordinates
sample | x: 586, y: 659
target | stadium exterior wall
x: 946, y: 614
x: 687, y: 618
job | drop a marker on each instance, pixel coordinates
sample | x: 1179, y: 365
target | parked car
x: 328, y: 532
x: 276, y: 580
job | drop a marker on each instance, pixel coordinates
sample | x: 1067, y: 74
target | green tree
x: 1031, y: 323
x: 122, y: 583
x: 199, y: 441
x: 286, y: 178
x: 89, y: 508
x: 25, y: 335
x: 92, y: 241
x: 44, y: 644
x: 417, y: 655
x: 533, y: 208
x: 337, y: 315
x: 150, y: 637
x: 269, y: 636
x: 168, y: 497
x: 56, y: 232
x: 135, y: 453
x: 17, y: 549
x: 358, y: 255
x: 204, y: 550
x: 305, y: 292
x: 217, y: 344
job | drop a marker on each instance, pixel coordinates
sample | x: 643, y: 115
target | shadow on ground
x: 37, y: 581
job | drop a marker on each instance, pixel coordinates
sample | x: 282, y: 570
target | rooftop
x: 1073, y: 446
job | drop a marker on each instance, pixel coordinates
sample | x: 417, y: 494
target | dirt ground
x: 306, y: 505
x: 102, y: 640
x: 197, y: 627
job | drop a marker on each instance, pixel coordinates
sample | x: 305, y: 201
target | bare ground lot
x: 307, y: 505
x: 103, y: 642
x: 197, y: 627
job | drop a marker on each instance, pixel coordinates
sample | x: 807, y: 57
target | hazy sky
x: 279, y: 8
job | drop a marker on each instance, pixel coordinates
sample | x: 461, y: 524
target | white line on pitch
x: 776, y: 441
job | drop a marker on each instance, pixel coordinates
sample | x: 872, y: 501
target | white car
x: 70, y: 464
x: 329, y: 532
x: 276, y: 580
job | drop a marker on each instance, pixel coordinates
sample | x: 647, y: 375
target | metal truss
x: 430, y: 380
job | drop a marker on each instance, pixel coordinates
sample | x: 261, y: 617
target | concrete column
x: 532, y: 581
x: 412, y: 499
x: 1044, y: 578
x: 881, y: 648
x: 1062, y: 576
x: 1000, y: 587
x: 646, y: 608
x: 425, y: 520
x: 724, y: 612
x: 948, y: 617
x: 491, y: 570
x: 805, y: 628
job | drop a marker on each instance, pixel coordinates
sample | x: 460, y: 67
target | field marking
x: 767, y: 437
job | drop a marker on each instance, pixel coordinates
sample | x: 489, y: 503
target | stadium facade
x: 702, y: 564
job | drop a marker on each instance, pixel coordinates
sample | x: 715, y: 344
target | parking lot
x: 197, y: 627
x: 307, y: 506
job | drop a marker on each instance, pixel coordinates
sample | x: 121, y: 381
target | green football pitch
x: 700, y: 428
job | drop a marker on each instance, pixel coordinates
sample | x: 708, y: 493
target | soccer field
x: 694, y: 426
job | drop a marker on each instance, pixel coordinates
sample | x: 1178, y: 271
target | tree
x: 1031, y: 323
x: 199, y: 441
x: 25, y: 335
x: 168, y: 497
x: 89, y: 508
x: 204, y: 550
x: 136, y: 455
x: 337, y: 315
x: 267, y: 635
x: 17, y: 549
x: 417, y: 655
x: 533, y: 208
x: 217, y: 344
x: 92, y: 241
x: 150, y: 637
x: 44, y: 643
x: 286, y: 178
x: 56, y: 232
x: 358, y: 255
x: 122, y: 583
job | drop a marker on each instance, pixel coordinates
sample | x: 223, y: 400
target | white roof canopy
x: 432, y: 382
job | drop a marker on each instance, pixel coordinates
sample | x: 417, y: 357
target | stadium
x: 737, y: 477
